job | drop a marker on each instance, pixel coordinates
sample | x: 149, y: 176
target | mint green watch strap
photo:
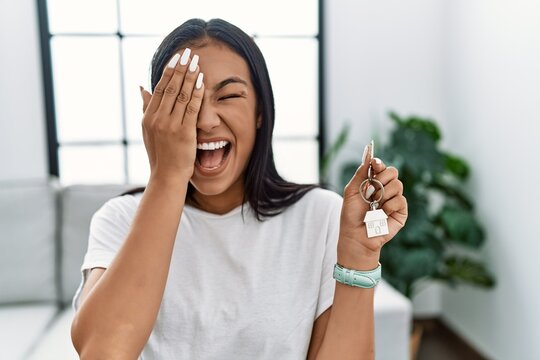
x: 363, y: 279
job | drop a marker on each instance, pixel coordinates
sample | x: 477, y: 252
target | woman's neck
x: 220, y: 203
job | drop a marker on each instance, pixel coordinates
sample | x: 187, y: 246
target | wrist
x: 354, y: 257
x: 168, y: 181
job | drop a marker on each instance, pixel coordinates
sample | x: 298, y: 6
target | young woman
x: 218, y: 257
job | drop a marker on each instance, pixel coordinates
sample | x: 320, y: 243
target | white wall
x: 23, y: 152
x: 493, y: 99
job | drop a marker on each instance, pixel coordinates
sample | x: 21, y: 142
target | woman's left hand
x: 355, y: 249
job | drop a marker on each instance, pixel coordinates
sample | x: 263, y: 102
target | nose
x: 208, y: 117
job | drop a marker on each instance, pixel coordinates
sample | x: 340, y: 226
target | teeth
x: 212, y: 145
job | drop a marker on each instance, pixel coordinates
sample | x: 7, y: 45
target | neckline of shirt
x: 207, y: 214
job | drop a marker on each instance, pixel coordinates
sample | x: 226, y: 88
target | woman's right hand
x: 170, y: 119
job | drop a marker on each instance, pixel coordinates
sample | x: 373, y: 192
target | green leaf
x: 426, y: 126
x: 408, y: 265
x: 452, y: 192
x: 395, y: 117
x: 419, y: 229
x: 456, y: 166
x: 466, y: 270
x: 414, y: 151
x: 461, y: 226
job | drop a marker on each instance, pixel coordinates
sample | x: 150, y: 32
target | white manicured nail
x: 378, y: 161
x: 185, y: 56
x: 370, y: 190
x: 173, y: 61
x: 364, y: 155
x: 198, y: 84
x: 193, y: 64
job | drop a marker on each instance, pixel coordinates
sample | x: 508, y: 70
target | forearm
x: 350, y: 330
x: 119, y: 313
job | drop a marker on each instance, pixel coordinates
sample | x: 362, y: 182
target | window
x: 96, y: 53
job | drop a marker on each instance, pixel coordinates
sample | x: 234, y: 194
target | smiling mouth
x: 213, y: 159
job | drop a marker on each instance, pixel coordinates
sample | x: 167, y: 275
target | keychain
x: 375, y: 219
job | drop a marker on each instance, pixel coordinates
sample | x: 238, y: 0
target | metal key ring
x: 378, y: 183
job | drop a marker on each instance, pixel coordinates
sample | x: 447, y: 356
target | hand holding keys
x: 375, y: 219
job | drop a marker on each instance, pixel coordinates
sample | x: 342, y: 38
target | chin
x: 209, y: 187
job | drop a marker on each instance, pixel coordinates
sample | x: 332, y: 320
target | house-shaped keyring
x: 376, y: 223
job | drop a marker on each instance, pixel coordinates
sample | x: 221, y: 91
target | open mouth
x: 210, y: 160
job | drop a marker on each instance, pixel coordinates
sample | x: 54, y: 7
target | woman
x: 219, y: 257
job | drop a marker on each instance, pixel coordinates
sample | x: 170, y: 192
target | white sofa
x: 43, y: 238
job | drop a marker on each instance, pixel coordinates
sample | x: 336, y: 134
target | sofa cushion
x: 56, y: 343
x: 21, y: 326
x: 79, y: 203
x: 392, y: 317
x: 27, y: 241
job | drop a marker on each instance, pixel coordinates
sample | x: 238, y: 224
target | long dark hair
x: 267, y: 192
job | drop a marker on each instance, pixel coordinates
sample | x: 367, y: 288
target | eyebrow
x: 231, y: 80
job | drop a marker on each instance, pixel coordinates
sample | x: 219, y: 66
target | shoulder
x: 322, y: 201
x: 120, y: 206
x: 322, y: 196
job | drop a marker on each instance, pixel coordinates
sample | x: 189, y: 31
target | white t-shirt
x: 235, y: 290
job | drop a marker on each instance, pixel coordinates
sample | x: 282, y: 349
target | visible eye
x: 230, y: 96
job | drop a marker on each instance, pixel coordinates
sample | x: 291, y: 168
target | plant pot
x: 416, y: 337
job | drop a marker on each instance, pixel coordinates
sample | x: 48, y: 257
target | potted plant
x: 442, y: 232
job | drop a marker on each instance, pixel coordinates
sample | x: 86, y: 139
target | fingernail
x: 173, y: 61
x: 364, y: 155
x: 194, y: 62
x: 370, y: 190
x: 378, y: 161
x: 198, y: 84
x: 185, y: 56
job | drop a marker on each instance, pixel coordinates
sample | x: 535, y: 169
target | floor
x: 439, y: 342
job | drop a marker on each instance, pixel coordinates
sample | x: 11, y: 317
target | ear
x: 259, y: 121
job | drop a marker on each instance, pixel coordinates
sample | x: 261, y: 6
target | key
x: 375, y: 219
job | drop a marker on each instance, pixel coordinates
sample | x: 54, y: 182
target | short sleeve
x: 326, y: 291
x: 109, y: 228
